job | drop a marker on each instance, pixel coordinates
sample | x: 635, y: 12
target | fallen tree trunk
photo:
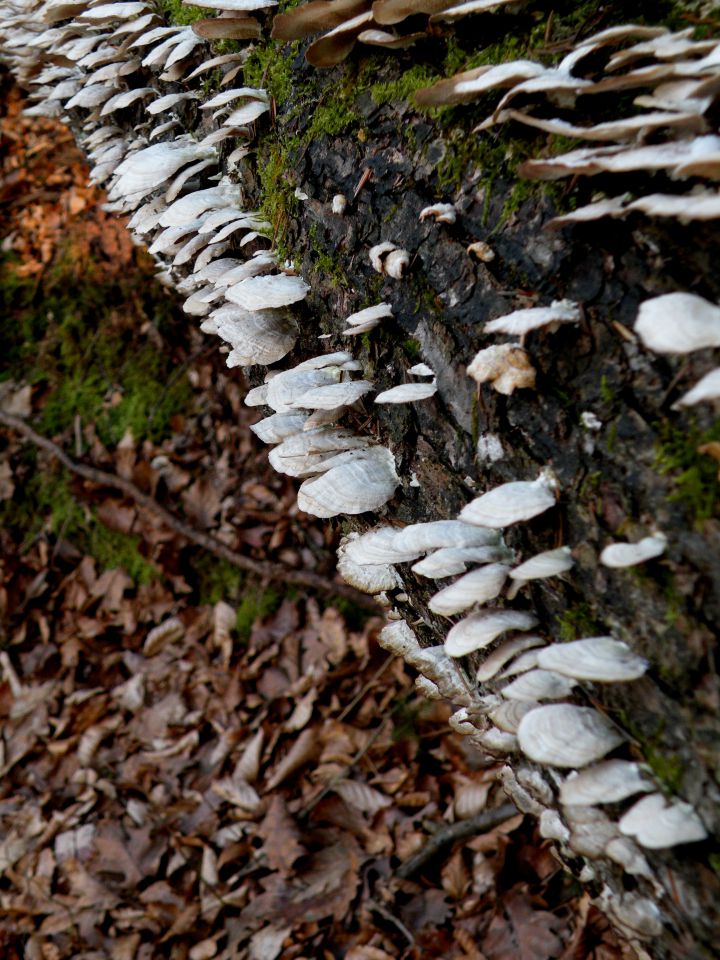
x: 600, y: 415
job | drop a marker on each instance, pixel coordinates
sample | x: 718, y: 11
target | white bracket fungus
x: 657, y: 823
x: 563, y: 735
x: 512, y: 502
x: 678, y: 323
x: 629, y: 554
x: 523, y: 321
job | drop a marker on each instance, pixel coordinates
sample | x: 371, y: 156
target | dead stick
x: 261, y: 568
x: 455, y: 831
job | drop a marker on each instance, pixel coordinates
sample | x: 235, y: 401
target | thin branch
x: 358, y: 697
x: 309, y: 807
x: 448, y: 835
x: 261, y: 568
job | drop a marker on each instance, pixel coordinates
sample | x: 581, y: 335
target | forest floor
x: 197, y: 763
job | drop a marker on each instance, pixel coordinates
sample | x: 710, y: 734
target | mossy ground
x: 78, y: 342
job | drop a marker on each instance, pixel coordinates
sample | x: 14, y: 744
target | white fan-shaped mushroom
x: 370, y: 315
x: 547, y: 564
x: 440, y: 212
x: 520, y: 322
x: 506, y: 366
x: 146, y: 169
x: 421, y: 370
x: 707, y: 388
x: 678, y: 323
x: 590, y: 830
x: 628, y: 554
x: 407, y: 393
x: 480, y: 629
x: 332, y: 396
x: 448, y: 562
x: 494, y: 662
x: 521, y: 664
x: 512, y: 502
x: 278, y: 426
x: 378, y: 253
x: 478, y: 586
x: 355, y: 482
x: 396, y: 263
x: 563, y: 735
x: 436, y: 534
x: 387, y: 257
x: 538, y: 685
x: 657, y: 823
x: 606, y: 782
x: 306, y: 453
x: 263, y: 293
x: 376, y: 546
x: 398, y: 638
x: 288, y: 385
x: 623, y: 851
x: 507, y: 715
x: 368, y: 578
x: 602, y: 659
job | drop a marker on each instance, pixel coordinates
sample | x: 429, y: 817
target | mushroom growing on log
x: 255, y: 265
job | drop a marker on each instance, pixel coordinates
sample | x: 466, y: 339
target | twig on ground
x: 446, y: 836
x: 387, y: 915
x: 309, y: 807
x: 358, y: 697
x: 261, y: 568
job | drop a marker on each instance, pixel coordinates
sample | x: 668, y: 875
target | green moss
x: 77, y: 339
x: 407, y: 713
x: 611, y: 437
x: 667, y: 767
x: 694, y: 475
x: 355, y: 617
x: 577, y: 622
x: 217, y: 580
x: 270, y: 66
x: 714, y: 861
x: 412, y: 348
x: 176, y: 13
x: 278, y: 202
x: 606, y: 391
x: 253, y: 606
x: 46, y: 501
x: 328, y: 266
x: 402, y: 89
x: 425, y: 296
x: 332, y: 117
x: 114, y: 549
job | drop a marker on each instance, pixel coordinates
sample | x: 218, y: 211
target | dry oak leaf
x: 519, y: 932
x: 281, y: 835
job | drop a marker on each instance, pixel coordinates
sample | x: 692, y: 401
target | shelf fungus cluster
x: 665, y: 86
x: 129, y: 84
x: 522, y: 693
